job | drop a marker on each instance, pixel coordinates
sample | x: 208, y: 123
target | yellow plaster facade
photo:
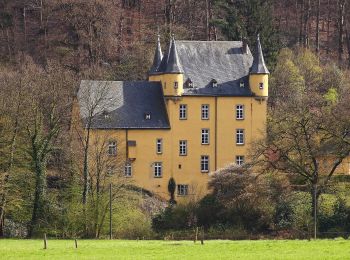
x: 139, y: 146
x: 221, y: 123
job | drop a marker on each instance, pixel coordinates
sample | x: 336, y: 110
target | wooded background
x: 81, y: 33
x: 48, y: 46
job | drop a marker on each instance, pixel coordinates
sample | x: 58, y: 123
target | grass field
x: 215, y: 249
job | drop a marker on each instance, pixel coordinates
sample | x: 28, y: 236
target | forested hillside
x: 80, y: 34
x: 48, y: 46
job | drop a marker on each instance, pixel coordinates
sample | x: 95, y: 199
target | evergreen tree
x: 247, y: 18
x: 171, y: 189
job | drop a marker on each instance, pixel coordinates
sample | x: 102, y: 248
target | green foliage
x: 331, y: 96
x: 246, y: 19
x: 131, y: 223
x: 173, y: 217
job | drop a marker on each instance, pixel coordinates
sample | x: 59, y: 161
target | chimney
x: 244, y: 46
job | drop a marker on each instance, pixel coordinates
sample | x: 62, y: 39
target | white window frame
x: 128, y: 169
x: 183, y: 147
x: 112, y: 148
x: 158, y: 170
x: 182, y: 189
x: 239, y: 112
x: 183, y: 112
x: 205, y: 163
x: 159, y: 146
x: 205, y: 112
x: 240, y: 160
x: 176, y: 84
x: 240, y: 136
x: 261, y: 85
x: 205, y: 136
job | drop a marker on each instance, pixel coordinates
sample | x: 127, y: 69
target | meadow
x: 214, y: 249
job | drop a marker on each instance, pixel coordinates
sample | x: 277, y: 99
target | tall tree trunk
x: 8, y: 44
x: 315, y: 195
x: 347, y: 42
x: 40, y: 194
x: 212, y: 29
x: 86, y: 167
x: 318, y: 26
x: 207, y: 25
x: 341, y: 30
x: 328, y: 26
x: 306, y: 23
x: 301, y: 24
x: 168, y: 16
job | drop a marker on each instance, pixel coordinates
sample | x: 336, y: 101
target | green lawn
x: 215, y: 249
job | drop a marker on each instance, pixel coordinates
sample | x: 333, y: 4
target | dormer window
x: 105, y: 114
x: 241, y: 84
x: 148, y: 116
x: 214, y: 83
x: 176, y: 85
x: 189, y: 83
x: 261, y: 85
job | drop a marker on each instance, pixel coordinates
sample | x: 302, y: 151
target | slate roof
x: 259, y: 66
x: 158, y: 56
x: 224, y: 61
x: 173, y: 63
x: 123, y: 104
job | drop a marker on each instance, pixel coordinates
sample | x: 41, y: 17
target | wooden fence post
x: 202, y: 236
x: 195, y: 235
x: 76, y: 243
x: 45, y: 242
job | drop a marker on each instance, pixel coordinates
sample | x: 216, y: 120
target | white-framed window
x: 159, y: 146
x: 128, y: 170
x: 157, y: 169
x: 204, y: 163
x: 205, y: 136
x: 148, y: 116
x: 176, y: 84
x: 241, y: 84
x: 183, y: 112
x: 183, y: 147
x: 205, y: 112
x: 182, y: 189
x: 261, y: 85
x: 239, y: 159
x: 112, y: 148
x: 110, y: 170
x: 239, y: 112
x: 240, y: 136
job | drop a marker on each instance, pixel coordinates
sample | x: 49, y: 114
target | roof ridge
x: 136, y: 81
x: 205, y: 41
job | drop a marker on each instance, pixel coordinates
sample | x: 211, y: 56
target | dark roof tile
x: 223, y: 61
x: 123, y: 104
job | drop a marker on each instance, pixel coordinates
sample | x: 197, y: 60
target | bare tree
x: 47, y: 105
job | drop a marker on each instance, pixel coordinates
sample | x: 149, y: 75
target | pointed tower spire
x: 259, y: 66
x: 173, y: 64
x: 158, y: 56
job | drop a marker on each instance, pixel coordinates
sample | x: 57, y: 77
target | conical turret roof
x: 158, y: 56
x: 173, y: 62
x: 259, y: 66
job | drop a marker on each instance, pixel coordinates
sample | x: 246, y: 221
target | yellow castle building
x: 200, y: 109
